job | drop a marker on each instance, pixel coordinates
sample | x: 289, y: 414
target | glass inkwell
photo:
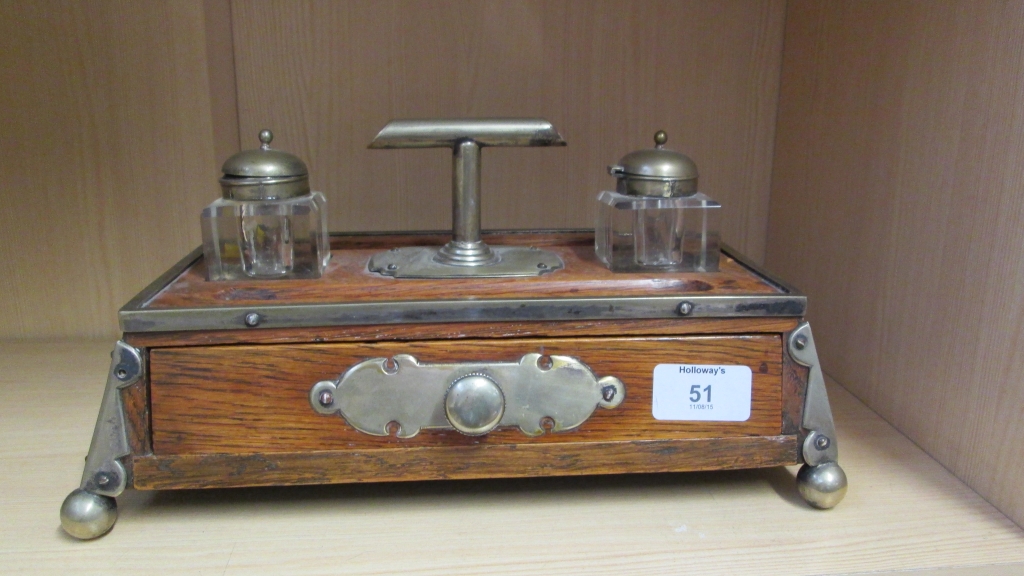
x: 268, y: 224
x: 657, y: 220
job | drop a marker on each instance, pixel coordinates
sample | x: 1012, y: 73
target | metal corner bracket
x: 104, y: 474
x: 821, y: 481
x: 820, y: 445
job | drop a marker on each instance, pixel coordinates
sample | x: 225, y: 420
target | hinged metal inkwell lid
x: 656, y: 171
x: 264, y: 173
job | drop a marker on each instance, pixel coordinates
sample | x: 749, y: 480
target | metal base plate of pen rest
x: 359, y: 376
x: 423, y: 262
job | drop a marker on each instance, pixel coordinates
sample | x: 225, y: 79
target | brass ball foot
x: 85, y: 515
x: 822, y: 486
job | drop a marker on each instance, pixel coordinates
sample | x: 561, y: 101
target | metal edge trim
x: 438, y: 311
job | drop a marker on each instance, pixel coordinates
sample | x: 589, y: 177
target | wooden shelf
x: 903, y: 511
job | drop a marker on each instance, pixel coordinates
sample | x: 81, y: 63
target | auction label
x: 702, y: 392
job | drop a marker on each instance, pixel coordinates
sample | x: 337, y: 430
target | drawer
x: 255, y: 399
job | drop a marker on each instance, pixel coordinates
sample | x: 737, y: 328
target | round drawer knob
x: 474, y: 404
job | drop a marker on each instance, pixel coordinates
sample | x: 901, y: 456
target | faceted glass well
x: 266, y: 239
x: 645, y: 233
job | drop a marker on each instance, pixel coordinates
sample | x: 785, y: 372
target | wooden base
x: 230, y: 407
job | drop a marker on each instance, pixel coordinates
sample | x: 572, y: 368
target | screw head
x: 800, y: 342
x: 608, y: 393
x: 326, y: 398
x: 822, y: 442
x: 252, y: 319
x: 685, y: 308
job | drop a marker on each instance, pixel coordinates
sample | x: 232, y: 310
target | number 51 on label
x: 695, y: 393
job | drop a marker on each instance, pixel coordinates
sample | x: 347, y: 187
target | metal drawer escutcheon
x: 472, y: 397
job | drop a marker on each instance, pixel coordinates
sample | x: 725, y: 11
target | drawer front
x: 255, y: 399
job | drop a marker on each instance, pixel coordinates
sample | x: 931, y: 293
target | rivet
x: 542, y: 266
x: 685, y: 308
x: 326, y: 398
x: 252, y: 319
x: 392, y: 266
x: 103, y: 479
x: 800, y: 342
x: 121, y: 373
x: 608, y: 393
x: 822, y: 442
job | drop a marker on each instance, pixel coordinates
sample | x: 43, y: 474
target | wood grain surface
x: 903, y: 513
x: 897, y: 206
x: 328, y: 76
x: 462, y: 462
x: 347, y: 279
x: 106, y: 157
x: 135, y: 400
x: 794, y: 392
x: 462, y: 330
x: 248, y: 399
